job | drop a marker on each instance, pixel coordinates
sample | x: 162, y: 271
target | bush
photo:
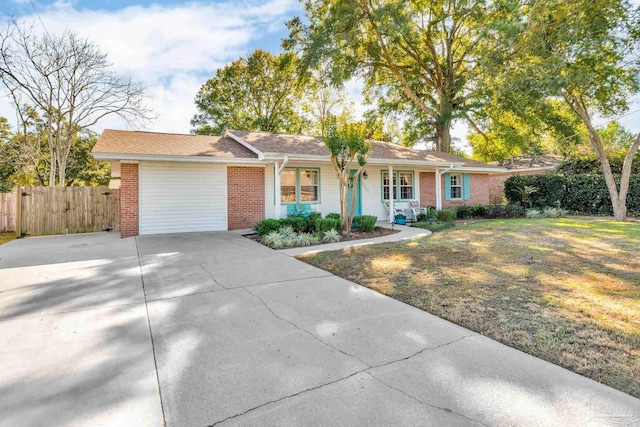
x: 325, y: 224
x: 446, y: 215
x: 464, y: 212
x: 584, y: 193
x: 310, y: 222
x: 422, y: 217
x: 333, y: 216
x: 479, y: 210
x: 298, y: 223
x: 331, y: 236
x: 287, y: 236
x: 365, y: 223
x: 266, y: 226
x: 506, y: 211
x: 554, y: 213
x: 434, y: 227
x: 534, y: 213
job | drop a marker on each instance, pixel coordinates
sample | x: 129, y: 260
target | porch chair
x: 414, y: 210
x: 396, y: 211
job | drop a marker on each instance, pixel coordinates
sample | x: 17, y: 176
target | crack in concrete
x: 366, y: 370
x: 287, y: 397
x: 447, y: 410
x: 305, y: 331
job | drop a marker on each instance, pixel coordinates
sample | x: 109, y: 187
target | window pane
x: 406, y: 179
x: 406, y: 193
x: 288, y: 177
x: 308, y: 177
x: 288, y: 193
x: 455, y: 180
x: 456, y: 192
x: 309, y: 193
x: 385, y: 192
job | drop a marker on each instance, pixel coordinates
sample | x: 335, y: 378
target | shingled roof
x: 122, y: 143
x: 169, y: 144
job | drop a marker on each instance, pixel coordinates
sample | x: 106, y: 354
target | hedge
x: 584, y: 193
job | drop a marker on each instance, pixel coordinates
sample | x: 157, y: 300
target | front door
x: 357, y: 186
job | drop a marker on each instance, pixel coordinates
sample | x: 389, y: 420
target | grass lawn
x: 7, y: 237
x: 564, y: 290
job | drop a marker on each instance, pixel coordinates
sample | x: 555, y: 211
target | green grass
x: 7, y: 237
x: 565, y: 290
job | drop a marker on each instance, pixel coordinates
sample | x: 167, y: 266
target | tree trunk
x: 443, y: 137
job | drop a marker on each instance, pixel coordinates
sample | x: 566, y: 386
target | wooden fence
x: 8, y: 207
x: 46, y: 211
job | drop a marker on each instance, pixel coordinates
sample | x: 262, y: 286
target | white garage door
x: 180, y: 197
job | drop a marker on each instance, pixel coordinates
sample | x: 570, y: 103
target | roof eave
x: 173, y: 158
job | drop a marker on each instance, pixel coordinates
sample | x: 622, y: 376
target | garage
x: 177, y: 197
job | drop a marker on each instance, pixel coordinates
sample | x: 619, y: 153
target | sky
x: 176, y: 46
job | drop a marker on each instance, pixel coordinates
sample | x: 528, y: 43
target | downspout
x: 439, y: 185
x: 277, y: 171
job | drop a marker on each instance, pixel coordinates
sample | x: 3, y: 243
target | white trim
x: 130, y: 158
x: 244, y: 143
x: 129, y: 162
x: 480, y: 170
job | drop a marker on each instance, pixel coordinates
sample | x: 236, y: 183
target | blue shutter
x: 447, y: 186
x: 466, y: 188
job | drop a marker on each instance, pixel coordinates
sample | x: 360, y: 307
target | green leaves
x: 259, y: 92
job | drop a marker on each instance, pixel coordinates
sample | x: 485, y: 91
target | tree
x: 349, y: 148
x: 584, y: 53
x: 322, y: 101
x: 422, y: 57
x: 257, y: 92
x: 70, y: 83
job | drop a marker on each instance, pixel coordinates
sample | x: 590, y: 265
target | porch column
x: 392, y: 195
x: 276, y: 177
x: 438, y: 189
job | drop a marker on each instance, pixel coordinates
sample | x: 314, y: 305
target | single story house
x: 180, y: 183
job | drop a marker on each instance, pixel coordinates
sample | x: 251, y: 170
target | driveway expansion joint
x: 447, y: 410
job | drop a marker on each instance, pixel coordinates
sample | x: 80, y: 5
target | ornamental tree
x: 349, y: 150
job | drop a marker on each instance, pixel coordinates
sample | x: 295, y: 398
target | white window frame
x: 396, y: 185
x: 459, y: 184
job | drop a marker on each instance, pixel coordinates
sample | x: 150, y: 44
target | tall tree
x: 585, y: 53
x: 349, y: 149
x: 257, y: 92
x: 321, y: 102
x: 70, y: 83
x: 421, y: 56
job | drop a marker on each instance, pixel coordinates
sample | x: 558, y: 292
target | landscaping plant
x: 365, y: 223
x: 326, y: 224
x: 446, y: 215
x: 331, y: 236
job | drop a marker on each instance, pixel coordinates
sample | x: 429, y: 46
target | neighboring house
x: 526, y: 164
x: 180, y: 183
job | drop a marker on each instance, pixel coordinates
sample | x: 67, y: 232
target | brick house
x: 181, y: 183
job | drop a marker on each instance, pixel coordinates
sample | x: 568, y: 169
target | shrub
x: 422, y: 217
x: 554, y: 213
x: 506, y: 211
x: 446, y: 215
x: 365, y: 223
x: 298, y: 223
x: 434, y: 227
x: 479, y: 210
x: 331, y: 236
x: 310, y: 222
x: 430, y: 211
x: 307, y: 239
x: 325, y: 224
x: 534, y: 213
x: 266, y: 226
x: 464, y: 212
x: 333, y: 215
x: 273, y: 239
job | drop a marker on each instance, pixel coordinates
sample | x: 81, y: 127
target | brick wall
x: 479, y: 190
x: 129, y: 217
x: 245, y: 196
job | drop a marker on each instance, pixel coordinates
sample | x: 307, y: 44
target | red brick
x: 129, y: 211
x: 479, y: 190
x: 245, y: 196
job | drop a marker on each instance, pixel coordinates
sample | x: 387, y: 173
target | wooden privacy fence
x: 43, y: 211
x: 8, y: 207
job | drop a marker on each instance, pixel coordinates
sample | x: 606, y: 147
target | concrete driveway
x: 214, y: 329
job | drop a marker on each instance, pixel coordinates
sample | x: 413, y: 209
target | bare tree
x: 70, y: 82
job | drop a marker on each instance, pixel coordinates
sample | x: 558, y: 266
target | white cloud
x: 174, y: 49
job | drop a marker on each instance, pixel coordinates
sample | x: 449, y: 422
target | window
x: 402, y: 186
x: 299, y: 185
x: 456, y: 186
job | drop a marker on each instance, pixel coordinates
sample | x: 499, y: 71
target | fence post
x: 19, y: 211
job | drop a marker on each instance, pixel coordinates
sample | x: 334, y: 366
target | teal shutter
x: 466, y: 187
x: 447, y: 186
